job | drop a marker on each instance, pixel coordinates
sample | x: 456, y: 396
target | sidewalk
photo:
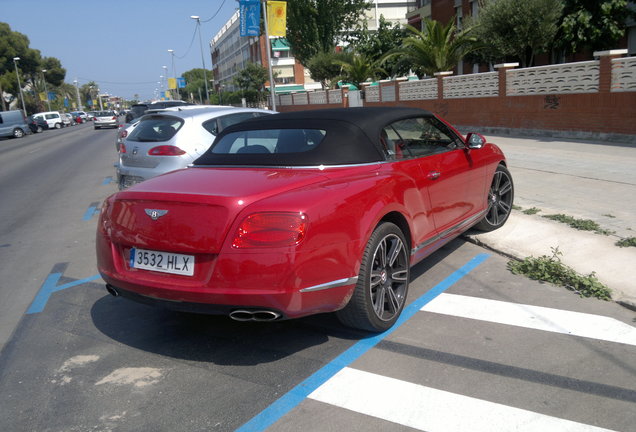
x: 531, y: 235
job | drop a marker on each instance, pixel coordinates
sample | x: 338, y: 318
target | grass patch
x: 611, y: 216
x: 551, y: 269
x: 579, y: 224
x: 531, y: 211
x: 516, y: 207
x: 626, y: 242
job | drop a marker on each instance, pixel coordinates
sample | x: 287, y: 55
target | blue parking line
x: 49, y: 287
x: 295, y: 396
x: 107, y: 180
x: 92, y: 210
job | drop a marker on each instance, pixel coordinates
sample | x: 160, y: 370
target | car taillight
x: 271, y: 230
x: 165, y: 150
x: 123, y: 133
x: 122, y: 148
x: 114, y: 118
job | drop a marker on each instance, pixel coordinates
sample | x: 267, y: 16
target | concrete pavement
x: 584, y: 251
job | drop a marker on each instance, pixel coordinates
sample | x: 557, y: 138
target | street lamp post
x: 79, y: 100
x: 174, y: 73
x: 165, y: 74
x: 17, y: 74
x: 46, y: 91
x: 205, y: 75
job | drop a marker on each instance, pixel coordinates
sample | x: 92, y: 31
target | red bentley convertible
x: 301, y: 213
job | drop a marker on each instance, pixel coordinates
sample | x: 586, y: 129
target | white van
x: 53, y: 118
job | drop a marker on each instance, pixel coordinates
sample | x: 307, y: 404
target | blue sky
x: 121, y: 45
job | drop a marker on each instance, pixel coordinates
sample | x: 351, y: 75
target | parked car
x: 302, y: 213
x: 13, y: 124
x: 172, y: 138
x: 90, y: 115
x: 105, y: 119
x: 37, y: 125
x: 53, y: 118
x: 124, y: 130
x: 81, y: 115
x: 67, y: 120
x: 136, y: 111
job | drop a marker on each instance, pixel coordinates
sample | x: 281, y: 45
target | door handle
x: 433, y: 175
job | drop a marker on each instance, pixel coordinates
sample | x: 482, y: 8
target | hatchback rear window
x: 104, y: 114
x: 269, y: 141
x: 156, y: 129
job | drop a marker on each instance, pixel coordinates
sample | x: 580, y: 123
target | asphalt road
x: 479, y: 349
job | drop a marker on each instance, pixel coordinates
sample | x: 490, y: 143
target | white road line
x: 429, y: 409
x: 534, y: 317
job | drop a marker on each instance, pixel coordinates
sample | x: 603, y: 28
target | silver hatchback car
x: 105, y: 119
x: 172, y: 138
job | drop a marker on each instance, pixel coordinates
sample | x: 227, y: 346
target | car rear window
x: 104, y: 114
x: 269, y: 141
x: 155, y: 129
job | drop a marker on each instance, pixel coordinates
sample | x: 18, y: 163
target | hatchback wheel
x: 58, y: 125
x: 39, y: 129
x: 383, y: 283
x: 500, y: 197
x: 18, y: 133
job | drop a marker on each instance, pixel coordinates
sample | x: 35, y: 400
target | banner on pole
x: 277, y: 18
x: 181, y: 82
x: 172, y: 83
x: 250, y: 17
x: 43, y: 97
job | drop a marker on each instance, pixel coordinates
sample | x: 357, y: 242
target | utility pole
x: 272, y: 86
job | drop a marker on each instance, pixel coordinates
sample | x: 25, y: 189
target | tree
x: 377, y: 44
x: 195, y: 83
x: 437, y: 48
x: 592, y: 24
x: 315, y: 26
x: 359, y: 69
x: 518, y: 29
x: 325, y: 67
x: 251, y: 81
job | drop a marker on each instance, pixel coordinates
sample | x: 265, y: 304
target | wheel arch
x: 400, y: 221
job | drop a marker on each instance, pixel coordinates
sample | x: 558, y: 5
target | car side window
x: 417, y: 137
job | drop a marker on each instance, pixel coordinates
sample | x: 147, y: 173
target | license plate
x: 162, y: 261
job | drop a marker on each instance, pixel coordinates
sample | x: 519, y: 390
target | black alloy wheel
x: 380, y: 294
x: 500, y: 198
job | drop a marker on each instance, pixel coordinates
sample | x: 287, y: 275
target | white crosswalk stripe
x: 430, y: 409
x: 426, y: 408
x: 534, y: 317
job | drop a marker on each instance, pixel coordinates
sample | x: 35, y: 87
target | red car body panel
x: 433, y: 198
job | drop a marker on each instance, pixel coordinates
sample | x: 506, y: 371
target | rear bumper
x: 293, y: 285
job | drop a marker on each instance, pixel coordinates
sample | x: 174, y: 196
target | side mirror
x: 475, y: 140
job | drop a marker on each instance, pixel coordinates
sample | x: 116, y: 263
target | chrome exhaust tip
x: 112, y: 290
x: 256, y: 315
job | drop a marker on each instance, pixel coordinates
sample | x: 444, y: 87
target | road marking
x: 534, y: 317
x: 430, y: 409
x: 49, y: 287
x: 295, y: 396
x: 91, y: 211
x: 107, y: 180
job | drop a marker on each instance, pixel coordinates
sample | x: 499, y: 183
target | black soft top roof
x: 352, y: 136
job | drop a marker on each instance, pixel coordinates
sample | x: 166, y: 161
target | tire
x: 39, y: 129
x: 95, y: 127
x: 58, y: 125
x: 500, y: 199
x: 383, y: 283
x: 18, y: 133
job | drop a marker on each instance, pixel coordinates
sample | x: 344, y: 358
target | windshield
x: 156, y: 128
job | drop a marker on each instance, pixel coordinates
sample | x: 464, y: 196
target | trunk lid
x: 192, y: 210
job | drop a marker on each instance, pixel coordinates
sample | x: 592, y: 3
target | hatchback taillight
x: 114, y: 118
x: 165, y: 150
x: 122, y: 148
x: 271, y: 230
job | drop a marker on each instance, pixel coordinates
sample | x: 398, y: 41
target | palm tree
x: 359, y: 69
x: 437, y: 48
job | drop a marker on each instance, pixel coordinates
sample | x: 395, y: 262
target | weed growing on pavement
x: 626, y: 242
x: 551, y: 269
x: 611, y: 216
x: 531, y: 211
x: 516, y: 207
x: 579, y: 224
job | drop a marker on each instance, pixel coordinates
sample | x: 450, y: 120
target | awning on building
x: 288, y: 88
x: 280, y: 44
